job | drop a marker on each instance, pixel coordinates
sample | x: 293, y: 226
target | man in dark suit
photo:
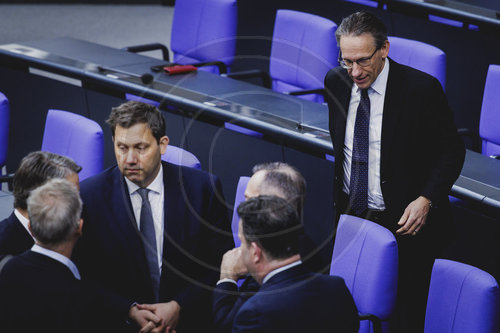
x: 275, y: 178
x: 41, y: 288
x: 291, y: 298
x: 397, y: 153
x: 154, y: 232
x: 34, y: 170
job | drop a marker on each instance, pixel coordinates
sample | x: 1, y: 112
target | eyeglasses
x: 363, y: 62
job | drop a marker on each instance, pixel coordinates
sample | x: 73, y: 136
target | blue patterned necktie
x: 149, y: 240
x: 358, y: 185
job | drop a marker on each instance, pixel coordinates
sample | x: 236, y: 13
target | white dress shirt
x: 376, y: 93
x: 279, y: 270
x: 156, y: 199
x: 59, y: 257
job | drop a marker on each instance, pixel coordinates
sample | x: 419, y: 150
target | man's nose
x: 131, y: 157
x: 356, y: 69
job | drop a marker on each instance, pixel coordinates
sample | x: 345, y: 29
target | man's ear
x: 256, y: 252
x: 80, y: 227
x: 164, y: 140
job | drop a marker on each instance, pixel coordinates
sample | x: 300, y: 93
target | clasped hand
x: 156, y: 318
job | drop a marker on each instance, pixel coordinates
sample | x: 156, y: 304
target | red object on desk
x: 179, y: 69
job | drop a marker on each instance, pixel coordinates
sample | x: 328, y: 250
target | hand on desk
x: 414, y: 217
x: 232, y: 266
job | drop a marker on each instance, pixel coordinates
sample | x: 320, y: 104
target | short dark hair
x: 54, y: 210
x: 35, y: 169
x: 363, y: 22
x: 130, y: 113
x: 286, y: 179
x: 273, y: 223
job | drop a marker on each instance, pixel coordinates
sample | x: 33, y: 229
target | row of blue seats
x: 365, y: 254
x: 303, y: 49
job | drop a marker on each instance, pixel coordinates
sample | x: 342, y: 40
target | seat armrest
x: 474, y: 138
x: 7, y: 179
x: 319, y: 91
x: 222, y: 66
x: 377, y: 323
x: 264, y: 76
x: 149, y: 47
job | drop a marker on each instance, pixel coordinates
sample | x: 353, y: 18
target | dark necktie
x: 358, y: 185
x: 149, y: 240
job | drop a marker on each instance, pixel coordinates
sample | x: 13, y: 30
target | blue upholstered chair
x: 489, y: 124
x: 203, y: 31
x: 77, y: 137
x: 239, y: 198
x: 365, y: 255
x: 4, y: 129
x: 303, y: 50
x: 179, y: 156
x: 462, y: 298
x: 419, y: 55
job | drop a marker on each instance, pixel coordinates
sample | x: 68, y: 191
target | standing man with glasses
x: 397, y: 154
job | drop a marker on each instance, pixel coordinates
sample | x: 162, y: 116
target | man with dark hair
x: 273, y: 178
x: 34, y: 170
x: 154, y: 232
x: 48, y: 281
x: 397, y: 153
x: 290, y: 299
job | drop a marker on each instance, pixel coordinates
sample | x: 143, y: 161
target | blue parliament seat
x: 303, y: 50
x: 77, y: 137
x: 365, y: 255
x: 462, y: 298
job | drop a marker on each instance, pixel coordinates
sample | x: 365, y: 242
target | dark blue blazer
x: 227, y: 301
x: 14, y: 238
x: 296, y: 300
x: 197, y: 234
x: 40, y: 294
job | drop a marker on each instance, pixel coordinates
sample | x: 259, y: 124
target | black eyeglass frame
x: 367, y: 59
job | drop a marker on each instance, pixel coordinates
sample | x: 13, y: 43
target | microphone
x: 147, y: 78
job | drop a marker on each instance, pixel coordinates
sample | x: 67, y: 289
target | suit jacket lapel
x: 126, y: 225
x: 392, y: 109
x: 343, y: 96
x: 174, y: 208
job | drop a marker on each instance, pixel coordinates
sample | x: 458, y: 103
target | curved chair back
x: 4, y: 129
x: 179, y: 156
x: 204, y: 30
x: 77, y: 137
x: 303, y: 50
x: 422, y: 56
x: 365, y: 254
x: 239, y: 198
x: 462, y: 298
x: 489, y: 124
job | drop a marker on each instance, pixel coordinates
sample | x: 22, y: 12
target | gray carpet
x: 111, y: 25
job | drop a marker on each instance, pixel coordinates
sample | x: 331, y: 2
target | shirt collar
x: 24, y: 221
x: 59, y: 257
x: 155, y: 186
x: 280, y: 269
